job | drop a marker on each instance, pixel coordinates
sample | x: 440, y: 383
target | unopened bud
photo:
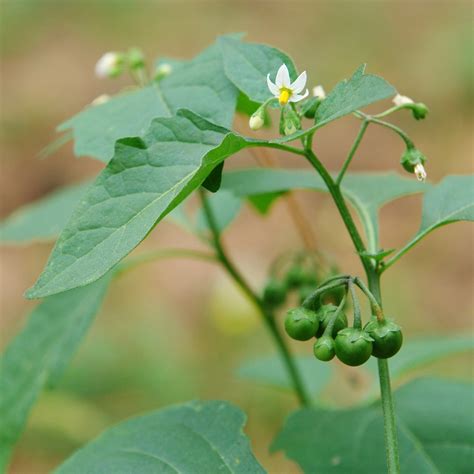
x: 319, y: 92
x: 163, y: 70
x: 289, y: 121
x: 413, y: 160
x: 109, y: 65
x: 420, y: 172
x: 419, y: 110
x: 256, y: 121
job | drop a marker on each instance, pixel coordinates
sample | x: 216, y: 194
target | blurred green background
x: 177, y: 330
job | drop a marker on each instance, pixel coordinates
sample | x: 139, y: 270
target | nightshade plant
x: 168, y: 138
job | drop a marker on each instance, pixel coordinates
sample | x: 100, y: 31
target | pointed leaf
x: 434, y: 433
x: 199, y: 85
x: 352, y: 94
x: 43, y: 219
x: 192, y: 438
x: 38, y: 355
x: 247, y: 66
x: 451, y: 200
x: 145, y: 180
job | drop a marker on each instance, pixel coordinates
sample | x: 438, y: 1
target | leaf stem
x: 355, y: 145
x: 372, y: 119
x: 267, y: 315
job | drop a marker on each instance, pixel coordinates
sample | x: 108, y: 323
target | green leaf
x: 271, y: 371
x: 43, y: 219
x: 263, y: 202
x: 435, y: 435
x: 192, y: 438
x: 366, y: 192
x: 352, y: 94
x: 38, y: 355
x: 145, y: 180
x: 451, y: 200
x: 247, y: 66
x: 199, y: 85
x: 225, y: 207
x: 420, y: 351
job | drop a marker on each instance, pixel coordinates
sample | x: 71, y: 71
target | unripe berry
x: 387, y: 336
x: 353, y: 346
x: 324, y: 348
x: 301, y: 323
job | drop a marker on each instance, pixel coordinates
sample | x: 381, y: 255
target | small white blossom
x: 285, y: 90
x: 400, y: 100
x: 319, y: 92
x: 107, y: 64
x: 101, y: 99
x: 256, y: 122
x: 420, y: 172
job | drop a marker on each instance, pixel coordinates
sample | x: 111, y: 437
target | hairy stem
x: 267, y: 315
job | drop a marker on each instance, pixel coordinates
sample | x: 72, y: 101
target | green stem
x: 355, y: 145
x: 376, y: 308
x: 355, y: 303
x: 338, y: 199
x: 373, y: 277
x: 388, y: 408
x: 372, y: 119
x: 267, y: 315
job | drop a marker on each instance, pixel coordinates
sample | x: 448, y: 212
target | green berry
x: 295, y: 277
x: 387, y: 336
x: 324, y: 348
x: 353, y: 346
x: 274, y: 293
x: 325, y: 314
x: 419, y: 111
x: 301, y: 323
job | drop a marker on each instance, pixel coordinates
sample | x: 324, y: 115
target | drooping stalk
x: 267, y: 315
x: 373, y: 278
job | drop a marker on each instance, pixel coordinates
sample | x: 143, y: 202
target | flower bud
x: 419, y: 110
x: 319, y: 92
x: 136, y: 59
x: 109, y: 65
x: 256, y: 121
x: 413, y: 160
x: 162, y: 70
x: 289, y: 121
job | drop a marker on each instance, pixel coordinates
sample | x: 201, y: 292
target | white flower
x: 107, y: 64
x: 319, y: 92
x: 420, y: 172
x: 101, y: 99
x: 400, y: 100
x: 285, y: 90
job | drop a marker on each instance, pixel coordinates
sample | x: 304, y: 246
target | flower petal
x: 299, y: 84
x: 283, y: 77
x: 298, y: 97
x: 273, y: 88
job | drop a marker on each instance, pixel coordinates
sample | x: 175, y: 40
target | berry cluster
x: 328, y: 323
